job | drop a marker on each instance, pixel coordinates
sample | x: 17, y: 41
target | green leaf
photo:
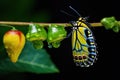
x: 30, y: 60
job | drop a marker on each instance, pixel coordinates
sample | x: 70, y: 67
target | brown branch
x: 43, y: 24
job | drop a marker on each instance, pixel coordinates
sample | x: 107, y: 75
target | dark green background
x: 49, y: 11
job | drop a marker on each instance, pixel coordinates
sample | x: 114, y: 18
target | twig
x: 43, y: 24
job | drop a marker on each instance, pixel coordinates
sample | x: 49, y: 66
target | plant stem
x: 98, y: 24
x: 6, y: 25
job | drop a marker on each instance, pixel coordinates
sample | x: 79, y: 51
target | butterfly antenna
x: 66, y: 13
x: 75, y: 11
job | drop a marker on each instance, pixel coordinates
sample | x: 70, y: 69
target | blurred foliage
x: 22, y: 10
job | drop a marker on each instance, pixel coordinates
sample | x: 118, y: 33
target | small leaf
x: 30, y: 60
x: 108, y: 22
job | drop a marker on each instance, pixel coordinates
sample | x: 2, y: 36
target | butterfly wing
x: 83, y: 45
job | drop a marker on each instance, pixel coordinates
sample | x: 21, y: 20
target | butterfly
x: 83, y: 42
